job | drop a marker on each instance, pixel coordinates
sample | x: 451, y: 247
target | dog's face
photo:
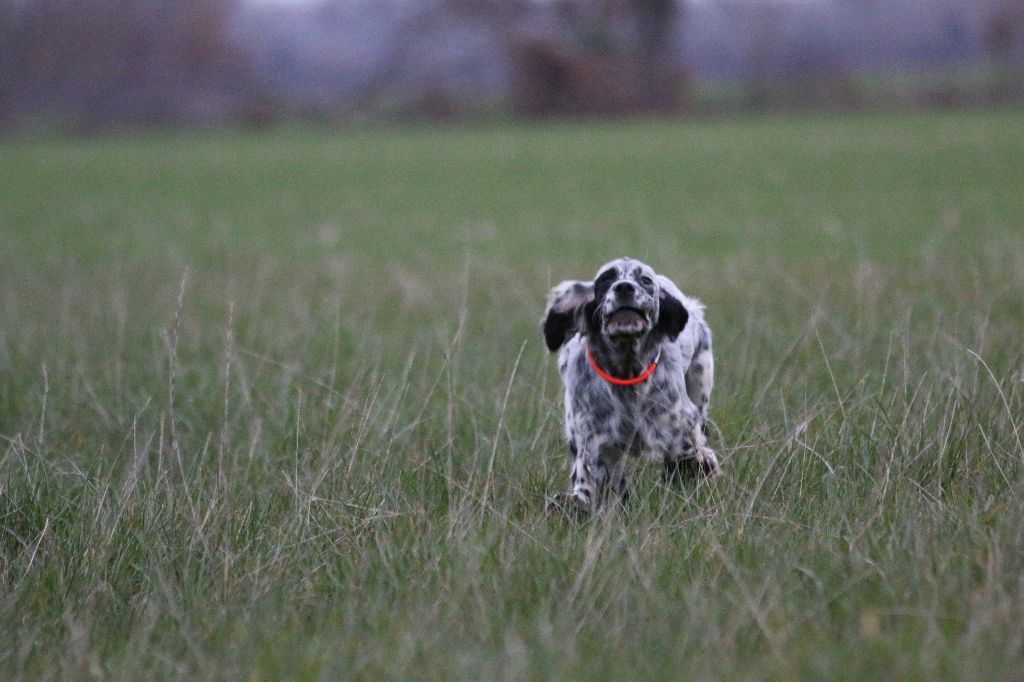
x: 625, y: 303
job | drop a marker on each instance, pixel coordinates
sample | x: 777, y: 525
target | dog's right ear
x: 563, y: 315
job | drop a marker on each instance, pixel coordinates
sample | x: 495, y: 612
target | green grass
x: 278, y: 406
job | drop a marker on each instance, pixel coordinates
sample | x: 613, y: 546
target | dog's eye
x: 647, y: 281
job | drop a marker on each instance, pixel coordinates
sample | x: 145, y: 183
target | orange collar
x: 623, y: 382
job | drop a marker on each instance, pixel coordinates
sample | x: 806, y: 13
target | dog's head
x: 625, y: 303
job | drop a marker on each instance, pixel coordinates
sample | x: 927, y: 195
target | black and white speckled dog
x: 636, y: 362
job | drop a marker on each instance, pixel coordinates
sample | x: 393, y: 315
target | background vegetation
x: 278, y: 407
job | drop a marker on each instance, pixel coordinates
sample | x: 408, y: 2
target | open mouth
x: 626, y: 321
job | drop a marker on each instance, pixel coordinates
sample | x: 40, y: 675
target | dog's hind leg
x: 700, y: 380
x: 618, y: 481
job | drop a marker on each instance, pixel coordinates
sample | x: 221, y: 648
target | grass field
x: 278, y: 406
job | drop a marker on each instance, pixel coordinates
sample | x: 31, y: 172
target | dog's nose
x: 624, y: 289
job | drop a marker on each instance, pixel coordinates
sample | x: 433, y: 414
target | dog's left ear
x: 672, y: 316
x: 562, y: 317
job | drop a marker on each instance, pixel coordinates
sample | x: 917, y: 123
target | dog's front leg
x: 586, y: 478
x: 687, y: 451
x: 595, y: 466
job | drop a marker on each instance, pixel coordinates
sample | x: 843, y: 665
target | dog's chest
x: 640, y: 418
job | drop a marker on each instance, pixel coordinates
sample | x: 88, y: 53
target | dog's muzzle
x: 627, y: 320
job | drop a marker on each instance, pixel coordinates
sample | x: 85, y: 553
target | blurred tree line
x: 93, y: 64
x: 96, y: 63
x: 572, y: 58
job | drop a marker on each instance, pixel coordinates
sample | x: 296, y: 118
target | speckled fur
x: 663, y: 419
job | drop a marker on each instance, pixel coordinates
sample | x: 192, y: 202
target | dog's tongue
x: 625, y: 318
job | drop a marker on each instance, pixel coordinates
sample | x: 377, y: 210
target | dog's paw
x: 706, y: 463
x: 703, y: 465
x: 556, y: 503
x: 572, y: 504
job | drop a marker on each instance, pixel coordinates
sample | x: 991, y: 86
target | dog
x: 634, y: 354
